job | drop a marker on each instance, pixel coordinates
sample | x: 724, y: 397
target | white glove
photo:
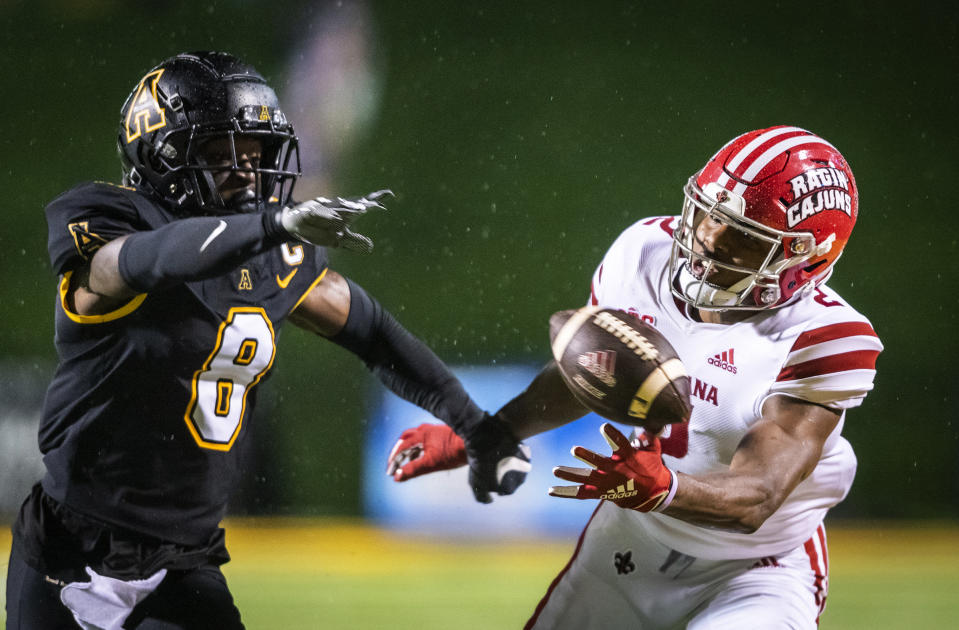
x: 326, y: 222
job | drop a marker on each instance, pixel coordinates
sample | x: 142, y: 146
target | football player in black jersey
x: 172, y: 291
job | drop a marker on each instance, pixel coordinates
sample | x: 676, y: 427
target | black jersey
x: 145, y: 415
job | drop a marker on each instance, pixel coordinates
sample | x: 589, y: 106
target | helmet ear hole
x: 152, y: 160
x: 145, y: 162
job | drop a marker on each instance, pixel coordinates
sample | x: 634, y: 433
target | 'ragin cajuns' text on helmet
x: 783, y: 186
x: 190, y: 99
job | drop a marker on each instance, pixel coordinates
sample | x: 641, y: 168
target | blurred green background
x: 521, y: 138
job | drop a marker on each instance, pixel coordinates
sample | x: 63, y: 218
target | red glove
x: 633, y: 477
x: 425, y: 449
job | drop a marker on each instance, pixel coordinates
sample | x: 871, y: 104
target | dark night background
x: 521, y: 138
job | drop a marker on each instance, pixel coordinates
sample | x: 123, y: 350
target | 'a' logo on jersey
x: 246, y: 283
x: 724, y: 360
x: 87, y: 242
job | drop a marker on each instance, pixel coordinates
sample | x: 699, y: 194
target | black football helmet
x: 192, y: 98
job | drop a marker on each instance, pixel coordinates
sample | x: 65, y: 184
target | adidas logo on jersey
x: 724, y: 360
x: 601, y: 365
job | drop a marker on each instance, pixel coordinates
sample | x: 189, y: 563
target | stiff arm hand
x: 632, y: 477
x: 327, y: 222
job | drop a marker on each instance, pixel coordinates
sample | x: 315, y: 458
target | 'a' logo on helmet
x: 145, y: 114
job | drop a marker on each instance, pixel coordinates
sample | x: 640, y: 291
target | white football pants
x: 619, y: 577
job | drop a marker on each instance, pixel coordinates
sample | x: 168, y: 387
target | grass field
x: 344, y: 574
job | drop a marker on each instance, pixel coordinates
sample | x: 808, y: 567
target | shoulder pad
x: 86, y: 217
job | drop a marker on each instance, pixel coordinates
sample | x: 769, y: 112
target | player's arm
x: 342, y: 311
x: 428, y: 448
x: 773, y: 458
x: 182, y: 251
x: 110, y: 291
x: 198, y: 248
x: 545, y: 404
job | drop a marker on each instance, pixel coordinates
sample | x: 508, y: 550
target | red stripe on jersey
x: 663, y: 224
x: 818, y: 576
x: 833, y: 331
x: 810, y: 548
x: 592, y: 286
x: 856, y: 360
x: 825, y: 550
x: 820, y: 570
x: 549, y: 591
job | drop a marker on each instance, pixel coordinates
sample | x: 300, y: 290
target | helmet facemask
x: 273, y: 169
x: 185, y: 103
x: 759, y: 285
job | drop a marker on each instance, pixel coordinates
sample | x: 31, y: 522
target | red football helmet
x: 784, y: 187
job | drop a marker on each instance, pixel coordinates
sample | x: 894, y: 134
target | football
x: 620, y: 367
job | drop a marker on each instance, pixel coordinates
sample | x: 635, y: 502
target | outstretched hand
x: 425, y: 449
x: 632, y: 477
x: 327, y: 222
x: 498, y: 462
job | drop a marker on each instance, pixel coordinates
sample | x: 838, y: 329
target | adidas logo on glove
x: 621, y: 492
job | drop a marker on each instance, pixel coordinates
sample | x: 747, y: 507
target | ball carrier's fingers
x: 624, y: 477
x: 582, y: 476
x: 586, y: 477
x: 616, y: 440
x: 576, y: 475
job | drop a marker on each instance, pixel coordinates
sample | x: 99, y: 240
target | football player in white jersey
x: 725, y: 529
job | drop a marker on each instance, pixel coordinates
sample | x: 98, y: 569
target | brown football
x: 620, y: 367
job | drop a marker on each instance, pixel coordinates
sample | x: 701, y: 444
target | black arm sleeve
x: 404, y: 363
x: 196, y: 249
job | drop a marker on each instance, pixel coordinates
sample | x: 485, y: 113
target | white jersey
x: 817, y: 349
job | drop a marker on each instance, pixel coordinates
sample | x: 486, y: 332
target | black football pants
x: 185, y: 600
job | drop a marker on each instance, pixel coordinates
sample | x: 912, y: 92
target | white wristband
x: 672, y: 492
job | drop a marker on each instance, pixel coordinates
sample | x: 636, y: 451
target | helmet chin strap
x: 701, y: 293
x: 243, y: 201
